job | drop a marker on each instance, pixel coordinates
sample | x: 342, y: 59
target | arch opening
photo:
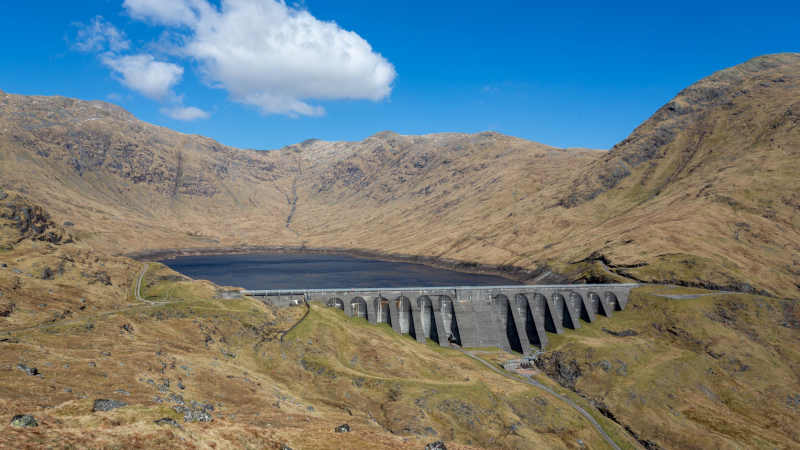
x: 336, y: 302
x: 509, y: 325
x: 580, y: 306
x: 561, y: 309
x: 382, y: 310
x: 359, y: 307
x: 612, y: 301
x: 528, y: 322
x: 541, y: 305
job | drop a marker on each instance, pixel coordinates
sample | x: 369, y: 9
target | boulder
x: 29, y: 370
x: 342, y: 428
x: 108, y: 405
x: 197, y: 415
x: 24, y: 420
x: 168, y: 421
x: 438, y: 445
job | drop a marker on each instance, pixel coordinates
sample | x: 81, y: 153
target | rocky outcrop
x: 24, y: 420
x: 28, y: 221
x: 342, y: 429
x: 28, y: 370
x: 108, y: 405
x: 167, y: 421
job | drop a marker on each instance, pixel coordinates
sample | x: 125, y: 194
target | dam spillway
x: 510, y: 317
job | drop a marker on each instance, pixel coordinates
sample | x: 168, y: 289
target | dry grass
x: 394, y: 392
x: 712, y: 372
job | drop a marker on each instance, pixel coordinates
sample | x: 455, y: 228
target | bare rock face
x: 27, y: 221
x: 438, y: 445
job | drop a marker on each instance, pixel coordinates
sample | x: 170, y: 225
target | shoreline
x: 509, y: 272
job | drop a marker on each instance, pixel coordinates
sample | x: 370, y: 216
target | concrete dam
x: 510, y: 317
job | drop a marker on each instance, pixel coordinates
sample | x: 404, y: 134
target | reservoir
x: 309, y: 271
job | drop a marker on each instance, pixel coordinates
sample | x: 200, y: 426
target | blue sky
x: 561, y: 73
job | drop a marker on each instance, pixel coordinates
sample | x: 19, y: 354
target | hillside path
x: 136, y: 293
x: 535, y: 383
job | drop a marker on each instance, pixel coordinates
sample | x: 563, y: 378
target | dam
x: 510, y: 317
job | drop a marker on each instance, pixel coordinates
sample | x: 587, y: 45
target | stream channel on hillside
x: 318, y: 271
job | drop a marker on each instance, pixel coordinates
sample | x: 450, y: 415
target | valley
x: 698, y: 205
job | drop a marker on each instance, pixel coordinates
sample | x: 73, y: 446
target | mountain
x: 704, y: 193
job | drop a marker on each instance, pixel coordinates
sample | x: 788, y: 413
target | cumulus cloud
x: 143, y: 74
x: 270, y: 55
x: 188, y: 113
x: 100, y: 35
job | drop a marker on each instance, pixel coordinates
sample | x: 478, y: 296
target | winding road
x: 535, y: 383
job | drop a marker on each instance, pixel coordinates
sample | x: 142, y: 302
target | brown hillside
x: 703, y: 193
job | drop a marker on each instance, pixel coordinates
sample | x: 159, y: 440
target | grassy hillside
x: 718, y: 371
x: 330, y: 370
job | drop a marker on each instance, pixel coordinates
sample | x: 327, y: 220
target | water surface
x: 307, y: 271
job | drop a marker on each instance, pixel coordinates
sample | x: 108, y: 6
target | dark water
x: 297, y: 271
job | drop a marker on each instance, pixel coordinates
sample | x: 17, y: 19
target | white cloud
x: 100, y: 35
x: 165, y: 12
x: 270, y: 55
x: 188, y: 113
x: 142, y: 73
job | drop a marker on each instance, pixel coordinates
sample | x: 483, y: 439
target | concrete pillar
x: 372, y: 316
x: 348, y: 307
x: 394, y: 314
x: 523, y: 336
x: 551, y: 309
x: 622, y: 298
x: 439, y: 324
x: 468, y: 329
x: 605, y: 308
x: 573, y: 318
x: 419, y: 331
x: 497, y: 324
x: 588, y: 305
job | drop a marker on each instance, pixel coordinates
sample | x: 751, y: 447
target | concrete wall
x: 511, y: 317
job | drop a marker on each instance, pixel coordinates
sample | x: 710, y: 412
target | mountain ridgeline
x: 704, y: 193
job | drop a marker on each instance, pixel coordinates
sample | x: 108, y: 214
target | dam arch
x: 336, y: 302
x: 509, y: 322
x: 381, y: 308
x: 358, y: 306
